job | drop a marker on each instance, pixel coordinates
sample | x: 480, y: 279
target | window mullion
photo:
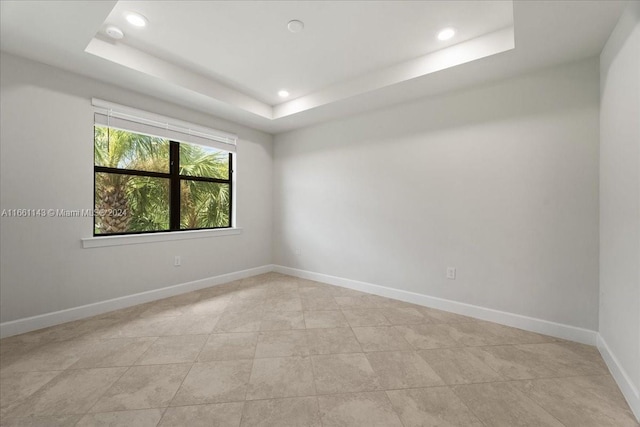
x: 230, y: 176
x: 174, y: 161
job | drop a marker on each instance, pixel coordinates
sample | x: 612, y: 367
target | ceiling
x: 246, y: 45
x: 231, y: 58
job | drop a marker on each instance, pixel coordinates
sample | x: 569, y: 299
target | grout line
x: 179, y: 387
x: 228, y: 297
x: 107, y: 389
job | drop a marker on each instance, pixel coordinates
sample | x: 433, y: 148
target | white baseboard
x: 532, y: 324
x: 28, y: 324
x: 628, y: 389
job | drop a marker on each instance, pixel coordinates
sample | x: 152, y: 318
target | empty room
x: 320, y: 213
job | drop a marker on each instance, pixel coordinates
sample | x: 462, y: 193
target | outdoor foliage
x: 140, y: 203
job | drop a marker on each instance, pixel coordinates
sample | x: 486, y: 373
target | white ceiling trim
x: 138, y: 60
x: 479, y: 47
x: 471, y: 50
x: 547, y: 33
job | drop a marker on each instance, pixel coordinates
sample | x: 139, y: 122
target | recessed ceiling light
x: 446, y: 34
x: 283, y: 94
x: 295, y: 26
x: 114, y: 32
x: 136, y: 19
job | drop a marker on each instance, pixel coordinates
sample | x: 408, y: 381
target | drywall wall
x: 499, y: 181
x: 46, y: 150
x: 620, y: 199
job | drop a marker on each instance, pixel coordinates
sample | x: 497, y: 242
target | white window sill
x: 134, y: 239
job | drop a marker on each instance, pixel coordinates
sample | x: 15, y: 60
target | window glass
x: 149, y: 184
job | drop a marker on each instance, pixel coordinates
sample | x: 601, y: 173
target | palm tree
x: 124, y: 197
x: 145, y: 200
x: 203, y: 204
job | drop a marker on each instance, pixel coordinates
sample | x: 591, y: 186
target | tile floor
x: 274, y: 350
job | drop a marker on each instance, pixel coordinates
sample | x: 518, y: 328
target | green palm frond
x: 203, y: 204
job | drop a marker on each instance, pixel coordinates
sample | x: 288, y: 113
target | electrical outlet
x: 177, y: 261
x: 451, y: 273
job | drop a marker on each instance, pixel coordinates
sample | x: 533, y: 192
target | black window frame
x: 175, y: 179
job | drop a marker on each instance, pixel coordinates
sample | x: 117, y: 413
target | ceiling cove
x: 244, y: 53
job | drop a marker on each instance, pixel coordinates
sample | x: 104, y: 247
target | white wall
x: 46, y: 150
x: 620, y: 199
x: 499, y: 181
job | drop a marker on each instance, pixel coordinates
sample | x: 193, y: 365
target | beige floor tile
x: 113, y: 352
x: 339, y: 373
x: 212, y: 306
x: 281, y: 377
x: 136, y: 327
x: 14, y: 387
x: 314, y: 292
x: 244, y: 305
x: 593, y: 401
x: 235, y: 346
x: 440, y: 316
x: 503, y: 405
x: 404, y: 316
x: 123, y: 313
x: 427, y: 336
x: 434, y: 406
x: 474, y: 334
x: 546, y: 360
x: 173, y: 349
x: 282, y: 320
x: 365, y: 317
x: 306, y: 283
x: 214, y: 382
x: 54, y: 376
x: 143, y: 387
x: 218, y: 415
x: 190, y: 325
x: 394, y: 303
x: 282, y: 289
x: 325, y: 319
x: 283, y: 303
x: 220, y: 291
x: 138, y: 418
x: 329, y: 341
x: 519, y: 336
x: 357, y: 302
x: 55, y: 356
x: 358, y: 410
x: 239, y: 321
x: 46, y: 421
x: 384, y: 302
x: 514, y: 363
x: 63, y: 332
x: 256, y: 293
x: 71, y: 392
x: 402, y: 369
x: 458, y: 366
x: 482, y: 333
x: 313, y: 303
x: 381, y: 338
x: 307, y: 288
x: 282, y: 344
x: 112, y: 328
x: 12, y: 351
x: 290, y: 412
x: 260, y: 279
x: 338, y: 291
x: 169, y: 307
x: 574, y: 359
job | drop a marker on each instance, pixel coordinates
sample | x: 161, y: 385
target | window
x: 146, y: 183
